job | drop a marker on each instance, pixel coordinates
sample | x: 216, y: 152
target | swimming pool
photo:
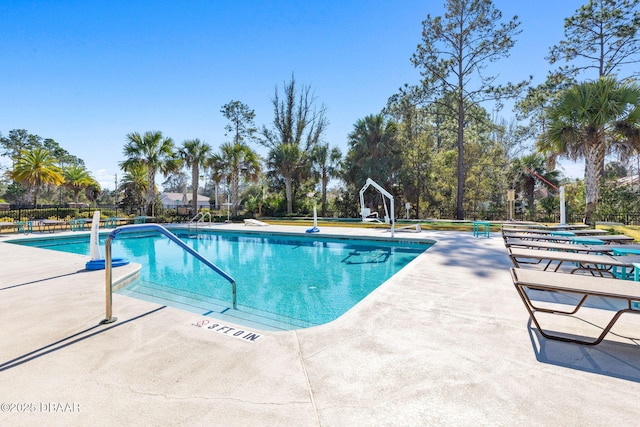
x: 283, y: 282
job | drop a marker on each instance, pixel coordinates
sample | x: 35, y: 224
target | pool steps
x: 212, y: 307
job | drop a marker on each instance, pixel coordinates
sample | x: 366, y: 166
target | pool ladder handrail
x: 200, y: 217
x: 151, y: 227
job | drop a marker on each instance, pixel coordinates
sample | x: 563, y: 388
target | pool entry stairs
x: 212, y: 307
x: 158, y: 228
x: 188, y: 301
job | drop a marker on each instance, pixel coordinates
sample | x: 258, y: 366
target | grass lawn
x: 629, y: 230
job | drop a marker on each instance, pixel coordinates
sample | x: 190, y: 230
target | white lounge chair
x: 254, y: 222
x: 412, y: 227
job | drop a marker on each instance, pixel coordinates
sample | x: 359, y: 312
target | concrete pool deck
x: 446, y: 341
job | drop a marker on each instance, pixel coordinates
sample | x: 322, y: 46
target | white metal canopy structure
x: 365, y: 212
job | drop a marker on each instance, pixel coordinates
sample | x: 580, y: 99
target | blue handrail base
x: 100, y: 264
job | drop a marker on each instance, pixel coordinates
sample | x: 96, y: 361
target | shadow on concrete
x: 471, y: 254
x: 70, y: 340
x: 33, y: 282
x: 609, y: 358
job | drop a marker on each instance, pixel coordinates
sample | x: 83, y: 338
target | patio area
x: 446, y: 341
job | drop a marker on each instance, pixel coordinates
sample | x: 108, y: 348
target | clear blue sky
x: 86, y: 72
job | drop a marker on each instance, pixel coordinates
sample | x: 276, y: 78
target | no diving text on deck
x: 228, y: 330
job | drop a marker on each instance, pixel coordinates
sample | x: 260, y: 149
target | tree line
x: 41, y: 163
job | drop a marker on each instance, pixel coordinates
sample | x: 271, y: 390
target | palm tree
x: 373, y: 151
x: 525, y: 181
x: 234, y: 162
x: 588, y: 119
x: 134, y: 185
x: 93, y: 192
x: 217, y: 177
x: 152, y: 150
x: 76, y: 178
x: 325, y: 164
x: 194, y: 153
x: 287, y: 160
x: 35, y: 168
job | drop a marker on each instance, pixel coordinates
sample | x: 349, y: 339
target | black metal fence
x: 59, y: 212
x: 173, y: 214
x: 571, y: 217
x: 161, y: 214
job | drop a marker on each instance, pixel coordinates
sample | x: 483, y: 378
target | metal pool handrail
x: 200, y: 217
x: 151, y: 227
x: 204, y: 216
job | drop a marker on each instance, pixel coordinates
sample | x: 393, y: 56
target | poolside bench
x: 594, y: 264
x: 566, y: 247
x: 255, y: 222
x: 51, y: 224
x: 607, y: 239
x: 584, y: 287
x: 7, y: 224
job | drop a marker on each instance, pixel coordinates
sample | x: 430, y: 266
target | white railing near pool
x: 196, y: 220
x: 151, y: 227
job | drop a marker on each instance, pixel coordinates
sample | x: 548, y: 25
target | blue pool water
x: 283, y: 282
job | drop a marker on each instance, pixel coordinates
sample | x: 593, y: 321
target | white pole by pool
x: 315, y: 217
x: 94, y: 247
x: 563, y: 214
